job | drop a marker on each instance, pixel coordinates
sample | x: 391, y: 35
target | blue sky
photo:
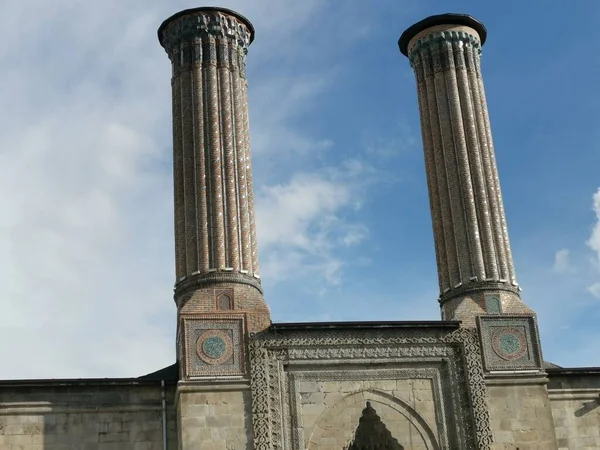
x: 86, y: 239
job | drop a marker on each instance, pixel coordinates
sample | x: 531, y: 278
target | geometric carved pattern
x: 274, y: 396
x: 214, y: 345
x: 509, y: 343
x: 372, y: 434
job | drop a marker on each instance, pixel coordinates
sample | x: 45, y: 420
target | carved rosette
x: 509, y: 343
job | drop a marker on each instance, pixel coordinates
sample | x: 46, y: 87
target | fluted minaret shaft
x: 471, y: 238
x: 214, y: 204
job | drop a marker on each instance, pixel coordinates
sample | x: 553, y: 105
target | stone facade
x: 215, y: 416
x: 87, y: 415
x: 575, y: 401
x: 242, y: 383
x: 310, y: 383
x: 521, y: 414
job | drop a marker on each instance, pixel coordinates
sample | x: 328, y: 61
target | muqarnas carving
x: 214, y: 347
x: 372, y: 434
x: 509, y: 343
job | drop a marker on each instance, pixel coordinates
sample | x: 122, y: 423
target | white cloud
x: 300, y: 226
x: 594, y: 240
x: 594, y: 289
x: 594, y: 243
x: 86, y: 259
x: 562, y: 262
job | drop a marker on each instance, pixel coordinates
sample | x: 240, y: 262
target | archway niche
x: 397, y: 425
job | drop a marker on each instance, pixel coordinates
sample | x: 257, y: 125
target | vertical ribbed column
x: 189, y: 160
x: 241, y: 140
x: 200, y: 167
x: 179, y: 205
x: 215, y: 230
x: 432, y: 179
x: 227, y: 120
x: 217, y: 223
x: 471, y: 238
x: 472, y: 117
x: 491, y: 170
x: 249, y: 184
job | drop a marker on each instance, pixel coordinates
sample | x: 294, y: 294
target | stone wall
x: 214, y: 416
x: 98, y: 415
x: 520, y: 414
x: 575, y: 401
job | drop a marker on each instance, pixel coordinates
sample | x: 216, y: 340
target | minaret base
x: 466, y: 307
x: 214, y: 325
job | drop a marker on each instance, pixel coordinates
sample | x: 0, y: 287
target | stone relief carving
x: 510, y: 342
x: 270, y: 354
x: 396, y: 404
x: 372, y: 434
x: 213, y: 347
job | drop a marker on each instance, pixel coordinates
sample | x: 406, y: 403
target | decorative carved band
x: 477, y: 286
x: 272, y: 391
x: 202, y: 280
x: 204, y: 25
x: 445, y: 50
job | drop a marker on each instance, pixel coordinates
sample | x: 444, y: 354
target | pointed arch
x: 323, y: 424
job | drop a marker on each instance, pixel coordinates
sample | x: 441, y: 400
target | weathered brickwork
x: 214, y: 417
x: 108, y: 416
x: 472, y: 247
x: 521, y: 416
x: 216, y: 251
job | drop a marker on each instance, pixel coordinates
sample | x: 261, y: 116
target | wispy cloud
x: 86, y: 259
x: 594, y: 241
x: 562, y: 262
x: 594, y: 289
x: 301, y: 226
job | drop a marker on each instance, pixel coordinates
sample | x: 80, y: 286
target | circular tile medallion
x: 214, y: 347
x: 509, y: 343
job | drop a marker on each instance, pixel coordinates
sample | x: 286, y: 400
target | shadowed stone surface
x: 372, y: 434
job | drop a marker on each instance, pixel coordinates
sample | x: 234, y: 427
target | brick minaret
x: 475, y: 265
x: 218, y: 291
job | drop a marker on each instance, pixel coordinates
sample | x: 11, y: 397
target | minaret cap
x: 205, y: 9
x: 441, y: 19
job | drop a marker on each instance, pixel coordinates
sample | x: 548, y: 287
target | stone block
x: 307, y: 387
